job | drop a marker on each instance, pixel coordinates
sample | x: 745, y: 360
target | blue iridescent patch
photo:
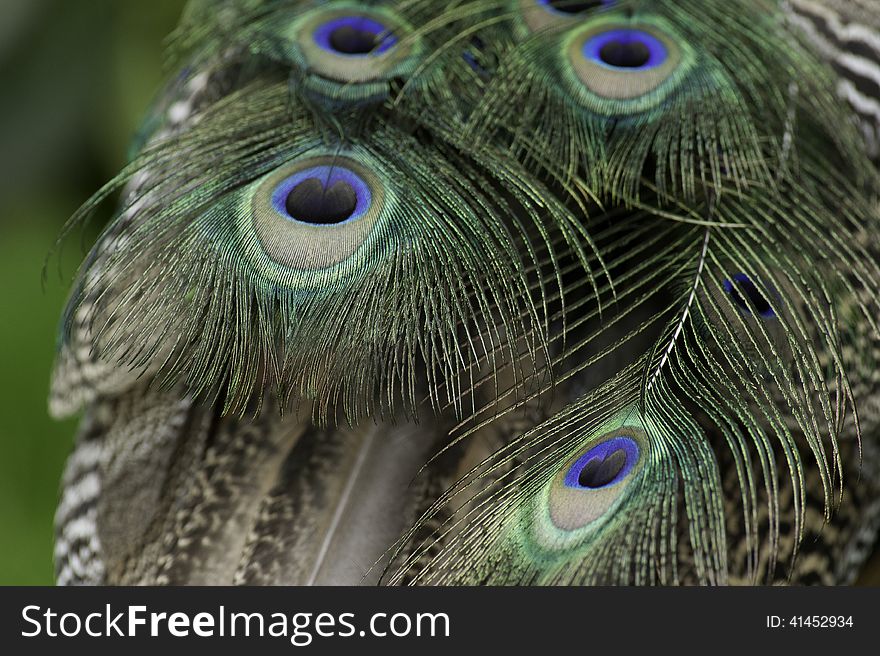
x: 626, y: 49
x: 742, y: 287
x: 604, y: 465
x: 354, y: 36
x: 329, y: 177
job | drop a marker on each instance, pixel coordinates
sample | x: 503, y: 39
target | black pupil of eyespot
x: 572, y: 7
x: 625, y: 54
x: 311, y: 202
x: 601, y: 471
x: 351, y: 40
x: 756, y: 298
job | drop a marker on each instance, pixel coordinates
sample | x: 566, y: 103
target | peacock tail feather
x: 516, y: 292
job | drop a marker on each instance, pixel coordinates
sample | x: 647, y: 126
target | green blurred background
x: 75, y: 79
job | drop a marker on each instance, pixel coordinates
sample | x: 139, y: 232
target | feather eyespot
x: 349, y: 46
x: 616, y: 68
x: 316, y: 212
x: 589, y: 485
x: 747, y: 297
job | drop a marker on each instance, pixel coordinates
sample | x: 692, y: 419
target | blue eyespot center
x: 604, y: 465
x: 626, y: 49
x: 354, y: 36
x: 740, y: 288
x: 574, y: 6
x: 322, y: 195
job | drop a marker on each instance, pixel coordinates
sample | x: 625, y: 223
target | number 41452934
x: 810, y: 621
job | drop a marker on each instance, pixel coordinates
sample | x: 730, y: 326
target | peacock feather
x: 486, y: 292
